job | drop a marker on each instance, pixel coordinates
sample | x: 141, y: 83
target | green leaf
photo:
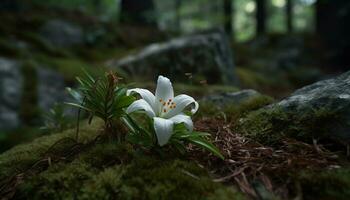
x: 206, y: 145
x: 140, y: 139
x: 124, y: 101
x: 180, y: 128
x: 193, y: 135
x: 78, y: 106
x: 75, y: 94
x: 179, y: 146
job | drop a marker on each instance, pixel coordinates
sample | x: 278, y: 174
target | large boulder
x: 332, y: 95
x: 61, y: 33
x: 10, y: 93
x: 201, y: 57
x: 317, y: 111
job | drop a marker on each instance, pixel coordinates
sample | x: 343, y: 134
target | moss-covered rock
x: 270, y: 125
x: 317, y: 111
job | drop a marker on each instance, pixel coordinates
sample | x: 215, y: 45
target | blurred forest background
x: 277, y: 47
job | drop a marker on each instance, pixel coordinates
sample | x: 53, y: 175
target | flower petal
x: 145, y: 94
x: 181, y: 102
x: 164, y: 130
x: 182, y: 118
x: 164, y: 89
x: 141, y: 105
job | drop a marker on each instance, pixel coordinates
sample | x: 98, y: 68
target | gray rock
x: 10, y: 93
x: 62, y: 33
x: 205, y: 56
x: 225, y: 99
x: 51, y: 88
x: 332, y: 94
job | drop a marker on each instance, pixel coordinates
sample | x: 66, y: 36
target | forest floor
x: 57, y: 166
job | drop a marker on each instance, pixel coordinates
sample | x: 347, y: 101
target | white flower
x: 165, y: 109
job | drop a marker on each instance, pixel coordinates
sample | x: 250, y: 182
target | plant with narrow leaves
x: 168, y: 121
x: 103, y: 98
x: 56, y: 120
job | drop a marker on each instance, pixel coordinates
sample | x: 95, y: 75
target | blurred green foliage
x: 105, y: 8
x: 197, y: 15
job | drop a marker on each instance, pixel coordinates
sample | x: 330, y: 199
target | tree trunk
x: 138, y: 12
x: 289, y: 15
x: 228, y: 18
x: 321, y: 15
x: 260, y: 17
x: 332, y: 25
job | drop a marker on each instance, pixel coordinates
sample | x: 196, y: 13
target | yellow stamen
x: 164, y: 110
x: 164, y: 103
x: 160, y: 100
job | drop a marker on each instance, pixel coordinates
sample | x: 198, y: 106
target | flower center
x: 166, y: 106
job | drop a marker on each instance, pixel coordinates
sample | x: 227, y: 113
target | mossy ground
x: 135, y: 177
x: 109, y: 170
x: 286, y: 168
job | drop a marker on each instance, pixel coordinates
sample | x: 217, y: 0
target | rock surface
x: 206, y: 56
x: 332, y: 95
x: 225, y: 99
x: 51, y: 88
x: 62, y: 33
x: 10, y: 93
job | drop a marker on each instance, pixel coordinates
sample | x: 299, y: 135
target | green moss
x: 331, y: 184
x: 265, y: 125
x: 106, y: 154
x: 58, y: 182
x: 143, y: 178
x: 108, y: 170
x: 270, y: 125
x: 21, y: 156
x: 172, y: 179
